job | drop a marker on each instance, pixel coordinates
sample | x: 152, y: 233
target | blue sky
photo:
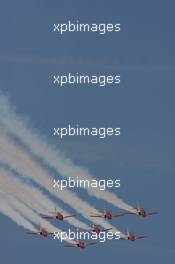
x: 143, y: 157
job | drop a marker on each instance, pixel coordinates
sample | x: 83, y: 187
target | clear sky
x: 143, y: 157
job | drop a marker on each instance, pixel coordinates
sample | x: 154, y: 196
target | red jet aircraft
x: 132, y: 237
x: 107, y: 215
x: 141, y: 212
x: 81, y: 244
x: 98, y: 230
x: 56, y: 215
x: 42, y: 232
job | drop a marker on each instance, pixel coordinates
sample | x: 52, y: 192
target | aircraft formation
x: 105, y: 214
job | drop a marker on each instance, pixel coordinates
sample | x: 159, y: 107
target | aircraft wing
x: 152, y: 213
x: 123, y: 238
x: 107, y: 229
x: 67, y: 216
x: 130, y: 213
x: 69, y: 245
x: 101, y: 216
x: 32, y: 233
x: 118, y: 215
x: 140, y: 237
x: 46, y: 216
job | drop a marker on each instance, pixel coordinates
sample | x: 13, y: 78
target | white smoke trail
x: 23, y: 210
x: 32, y: 196
x: 52, y: 157
x: 8, y: 211
x: 19, y: 200
x: 22, y: 162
